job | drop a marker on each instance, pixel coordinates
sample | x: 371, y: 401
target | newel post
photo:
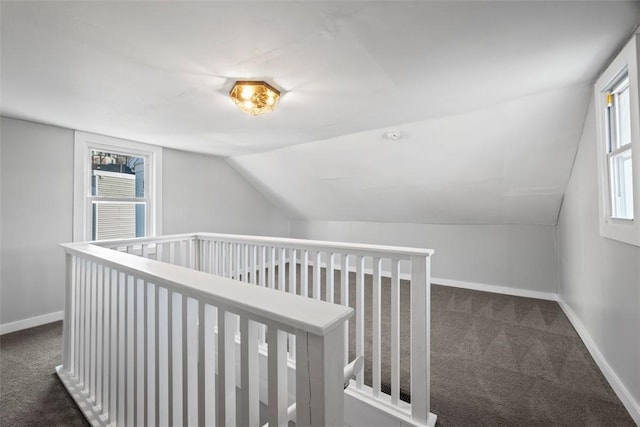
x: 319, y: 378
x: 66, y: 326
x: 420, y: 333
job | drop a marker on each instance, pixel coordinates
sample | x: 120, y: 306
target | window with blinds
x: 118, y: 201
x: 114, y: 220
x: 117, y: 190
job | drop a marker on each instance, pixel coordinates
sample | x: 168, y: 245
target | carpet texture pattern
x: 30, y: 392
x: 496, y: 360
x: 499, y: 360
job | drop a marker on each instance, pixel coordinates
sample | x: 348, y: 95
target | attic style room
x: 430, y: 206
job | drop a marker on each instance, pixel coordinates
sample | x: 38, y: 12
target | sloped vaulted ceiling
x: 489, y: 96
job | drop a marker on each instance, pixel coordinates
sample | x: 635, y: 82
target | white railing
x: 149, y: 343
x: 267, y: 262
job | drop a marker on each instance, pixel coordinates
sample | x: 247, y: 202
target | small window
x: 118, y: 198
x: 618, y: 126
x: 616, y: 93
x: 116, y: 189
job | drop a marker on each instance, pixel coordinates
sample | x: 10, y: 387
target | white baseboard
x: 618, y: 387
x: 31, y: 322
x: 495, y: 289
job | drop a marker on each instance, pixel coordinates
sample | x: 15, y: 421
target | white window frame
x: 84, y: 143
x: 623, y: 230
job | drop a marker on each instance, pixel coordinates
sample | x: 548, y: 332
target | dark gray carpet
x: 496, y: 360
x: 30, y: 392
x: 499, y: 360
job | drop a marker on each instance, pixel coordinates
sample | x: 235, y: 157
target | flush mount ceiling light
x: 254, y: 97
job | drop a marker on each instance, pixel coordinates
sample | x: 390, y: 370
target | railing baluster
x: 344, y: 300
x: 185, y: 360
x: 202, y: 361
x: 245, y: 263
x: 250, y: 380
x: 136, y: 329
x: 226, y: 390
x: 193, y: 353
x: 192, y: 359
x: 113, y: 358
x: 262, y: 334
x: 141, y: 362
x: 87, y: 326
x: 170, y: 361
x: 131, y: 351
x: 238, y: 262
x: 292, y: 289
x: 360, y: 317
x: 222, y: 258
x: 91, y: 377
x: 317, y: 270
x: 263, y: 264
x: 99, y: 332
x: 395, y: 331
x: 304, y: 273
x: 106, y: 347
x: 151, y: 356
x: 376, y: 319
x: 162, y: 361
x: 79, y: 284
x: 209, y: 362
x: 214, y: 256
x: 144, y: 358
x: 272, y: 267
x: 254, y: 264
x: 122, y: 350
x: 329, y: 282
x: 281, y: 270
x: 229, y: 266
x: 292, y: 271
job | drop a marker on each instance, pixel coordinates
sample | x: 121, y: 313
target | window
x: 616, y: 93
x: 618, y: 133
x: 116, y: 188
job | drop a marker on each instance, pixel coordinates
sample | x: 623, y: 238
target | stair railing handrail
x: 317, y: 326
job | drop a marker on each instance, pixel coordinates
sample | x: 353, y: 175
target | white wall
x: 520, y: 257
x: 204, y: 193
x: 200, y: 193
x: 37, y: 193
x: 600, y: 278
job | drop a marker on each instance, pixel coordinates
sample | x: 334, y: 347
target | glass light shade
x: 254, y: 97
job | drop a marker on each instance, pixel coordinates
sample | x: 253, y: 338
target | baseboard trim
x: 632, y: 406
x: 495, y: 289
x: 31, y: 322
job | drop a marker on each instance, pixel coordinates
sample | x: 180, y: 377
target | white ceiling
x: 490, y: 96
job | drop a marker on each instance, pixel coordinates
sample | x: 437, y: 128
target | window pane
x: 118, y: 220
x: 624, y: 118
x: 621, y: 185
x: 116, y: 175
